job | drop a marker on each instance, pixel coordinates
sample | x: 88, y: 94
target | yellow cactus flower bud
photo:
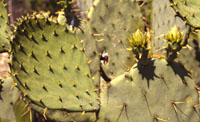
x: 174, y: 35
x: 139, y: 39
x: 139, y: 45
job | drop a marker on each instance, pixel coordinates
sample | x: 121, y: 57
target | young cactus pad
x: 50, y: 67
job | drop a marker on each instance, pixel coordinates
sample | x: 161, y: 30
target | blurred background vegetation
x: 17, y: 8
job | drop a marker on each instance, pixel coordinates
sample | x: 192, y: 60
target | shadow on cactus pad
x: 197, y: 50
x: 147, y: 72
x: 180, y: 70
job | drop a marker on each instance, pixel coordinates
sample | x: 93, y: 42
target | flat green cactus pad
x: 22, y: 113
x: 158, y: 92
x: 188, y: 10
x: 8, y: 96
x: 5, y: 28
x: 50, y: 67
x: 90, y: 45
x: 12, y: 108
x: 64, y: 116
x: 190, y: 56
x: 164, y: 18
x: 84, y: 6
x: 111, y: 23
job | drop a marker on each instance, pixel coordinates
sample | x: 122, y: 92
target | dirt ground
x: 4, y: 67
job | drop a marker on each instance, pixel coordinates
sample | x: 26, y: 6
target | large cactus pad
x: 158, y: 92
x: 50, y: 67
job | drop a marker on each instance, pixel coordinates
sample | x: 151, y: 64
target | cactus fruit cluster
x: 102, y: 61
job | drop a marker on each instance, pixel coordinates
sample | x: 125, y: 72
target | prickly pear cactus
x: 188, y: 10
x: 190, y: 56
x: 13, y: 109
x: 50, y: 67
x: 155, y: 92
x: 65, y: 116
x: 22, y: 111
x: 84, y: 34
x: 146, y: 9
x: 164, y: 18
x: 71, y: 12
x: 111, y: 22
x: 84, y: 6
x: 160, y: 89
x: 5, y: 28
x: 90, y: 47
x: 57, y: 69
